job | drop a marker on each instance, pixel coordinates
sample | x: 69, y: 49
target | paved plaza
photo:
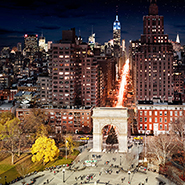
x: 111, y: 168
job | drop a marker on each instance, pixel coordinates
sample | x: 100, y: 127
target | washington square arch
x: 114, y: 116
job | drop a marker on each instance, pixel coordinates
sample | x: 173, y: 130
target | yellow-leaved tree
x: 70, y: 144
x: 44, y: 149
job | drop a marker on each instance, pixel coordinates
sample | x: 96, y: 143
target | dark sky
x: 18, y: 17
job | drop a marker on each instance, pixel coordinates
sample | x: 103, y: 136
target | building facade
x: 30, y: 44
x: 64, y: 120
x: 155, y: 118
x: 74, y: 73
x: 153, y: 60
x: 44, y: 90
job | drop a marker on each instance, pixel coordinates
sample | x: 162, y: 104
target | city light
x: 123, y: 84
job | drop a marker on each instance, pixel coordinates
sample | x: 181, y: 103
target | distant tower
x: 116, y: 32
x: 92, y: 40
x: 178, y: 39
x: 42, y: 42
x: 19, y: 47
x: 30, y: 43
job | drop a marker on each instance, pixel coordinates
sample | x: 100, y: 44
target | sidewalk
x: 111, y: 168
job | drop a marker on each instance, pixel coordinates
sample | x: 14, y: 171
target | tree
x: 35, y: 124
x: 9, y: 134
x: 178, y: 129
x: 6, y: 116
x: 162, y: 147
x: 44, y: 149
x: 112, y: 137
x: 70, y: 143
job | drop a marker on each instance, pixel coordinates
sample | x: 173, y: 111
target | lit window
x: 180, y: 113
x: 175, y: 113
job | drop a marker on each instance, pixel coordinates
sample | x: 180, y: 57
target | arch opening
x: 110, y: 140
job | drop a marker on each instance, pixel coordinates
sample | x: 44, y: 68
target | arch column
x: 109, y: 116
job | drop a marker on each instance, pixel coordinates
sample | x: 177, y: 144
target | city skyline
x: 51, y: 17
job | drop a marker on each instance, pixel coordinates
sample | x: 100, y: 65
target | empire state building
x: 116, y: 32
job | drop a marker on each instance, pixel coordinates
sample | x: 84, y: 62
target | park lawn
x: 23, y: 165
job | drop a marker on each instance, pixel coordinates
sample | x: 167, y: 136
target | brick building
x: 64, y: 120
x: 155, y: 118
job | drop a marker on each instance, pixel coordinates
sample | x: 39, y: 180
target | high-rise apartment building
x: 44, y: 90
x: 153, y: 60
x: 73, y: 72
x: 30, y: 44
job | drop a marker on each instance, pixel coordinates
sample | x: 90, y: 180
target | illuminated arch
x: 103, y: 116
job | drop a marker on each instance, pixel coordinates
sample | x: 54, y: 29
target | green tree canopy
x: 112, y: 137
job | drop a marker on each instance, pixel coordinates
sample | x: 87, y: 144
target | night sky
x: 50, y: 17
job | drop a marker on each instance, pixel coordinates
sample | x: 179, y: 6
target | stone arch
x: 103, y: 116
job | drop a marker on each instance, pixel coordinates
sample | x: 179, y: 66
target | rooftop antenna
x: 116, y: 9
x: 92, y: 29
x: 42, y: 33
x: 79, y: 33
x: 153, y: 1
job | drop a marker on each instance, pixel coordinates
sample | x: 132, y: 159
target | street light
x: 120, y: 160
x: 145, y: 141
x: 63, y: 175
x: 66, y: 148
x: 129, y: 172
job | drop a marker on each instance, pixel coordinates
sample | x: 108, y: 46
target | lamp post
x: 66, y: 148
x: 145, y: 141
x: 63, y: 175
x: 120, y: 160
x: 5, y: 180
x: 129, y: 172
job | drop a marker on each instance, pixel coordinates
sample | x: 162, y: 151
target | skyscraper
x: 154, y: 59
x: 74, y: 73
x: 116, y: 32
x: 30, y: 43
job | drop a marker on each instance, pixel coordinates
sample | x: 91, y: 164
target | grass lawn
x: 23, y: 165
